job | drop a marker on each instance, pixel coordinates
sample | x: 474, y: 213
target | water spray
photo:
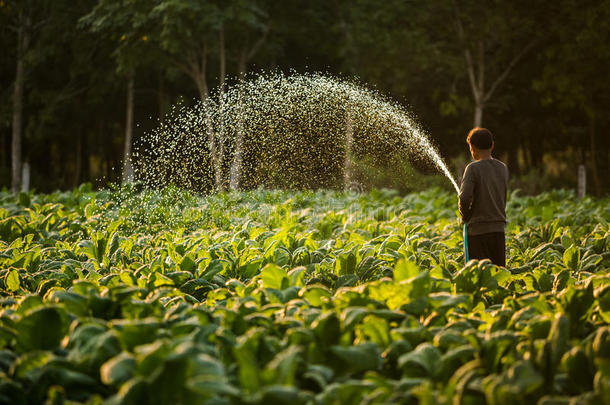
x: 286, y: 131
x: 276, y: 130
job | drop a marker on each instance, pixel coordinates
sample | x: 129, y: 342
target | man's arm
x: 466, y: 194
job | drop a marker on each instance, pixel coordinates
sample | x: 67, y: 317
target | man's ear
x: 492, y: 146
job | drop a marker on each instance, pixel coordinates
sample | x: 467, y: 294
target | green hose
x: 466, y: 258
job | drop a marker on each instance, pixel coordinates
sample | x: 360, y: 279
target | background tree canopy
x: 79, y: 82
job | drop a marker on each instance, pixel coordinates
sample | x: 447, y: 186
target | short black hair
x: 480, y: 138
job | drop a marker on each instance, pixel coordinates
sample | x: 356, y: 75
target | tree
x: 189, y: 33
x: 185, y: 31
x: 25, y: 18
x: 491, y: 38
x: 127, y: 25
x: 61, y: 107
x: 480, y: 38
x: 532, y: 73
x: 24, y: 28
x: 574, y: 80
x: 249, y: 27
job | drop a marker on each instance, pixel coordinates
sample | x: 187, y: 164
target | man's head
x: 481, y: 143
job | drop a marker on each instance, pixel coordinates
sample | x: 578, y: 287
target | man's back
x: 483, y: 196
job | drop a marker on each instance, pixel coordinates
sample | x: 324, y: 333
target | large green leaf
x: 559, y: 336
x: 134, y: 333
x: 12, y: 280
x: 281, y: 395
x: 282, y: 369
x: 576, y: 302
x: 601, y: 351
x: 118, y: 369
x: 31, y: 361
x: 248, y: 370
x: 274, y: 276
x: 345, y: 264
x: 425, y: 359
x: 91, y: 345
x: 405, y: 269
x: 41, y: 329
x: 365, y: 356
x: 519, y: 381
x: 375, y: 329
x: 327, y: 329
x: 349, y: 392
x: 571, y: 257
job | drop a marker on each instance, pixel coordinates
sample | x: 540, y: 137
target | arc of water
x: 272, y: 108
x: 423, y: 142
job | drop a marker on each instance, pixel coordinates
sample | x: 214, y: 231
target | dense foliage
x: 78, y: 61
x: 298, y: 297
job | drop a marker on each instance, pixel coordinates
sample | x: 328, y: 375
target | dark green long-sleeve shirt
x: 482, y: 199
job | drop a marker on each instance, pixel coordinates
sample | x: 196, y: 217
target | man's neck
x: 484, y: 156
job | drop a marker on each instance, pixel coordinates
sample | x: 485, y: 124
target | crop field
x: 269, y: 297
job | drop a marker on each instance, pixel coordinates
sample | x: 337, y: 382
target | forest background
x: 80, y: 82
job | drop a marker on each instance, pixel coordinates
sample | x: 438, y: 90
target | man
x: 482, y: 200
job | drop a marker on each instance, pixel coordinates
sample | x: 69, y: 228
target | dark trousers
x: 488, y: 246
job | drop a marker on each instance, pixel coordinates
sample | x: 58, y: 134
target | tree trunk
x: 127, y: 167
x: 223, y: 59
x: 239, y: 141
x: 594, y: 155
x: 106, y: 163
x: 198, y: 71
x: 79, y: 162
x: 513, y: 162
x: 478, y: 114
x: 23, y: 39
x: 604, y: 155
x: 350, y: 52
x: 162, y: 97
x: 25, y: 177
x: 235, y: 172
x: 479, y: 88
x: 202, y: 88
x: 477, y: 78
x: 477, y: 82
x: 220, y: 178
x: 245, y: 56
x: 242, y: 65
x: 4, y: 156
x: 537, y: 151
x: 85, y: 159
x: 237, y: 159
